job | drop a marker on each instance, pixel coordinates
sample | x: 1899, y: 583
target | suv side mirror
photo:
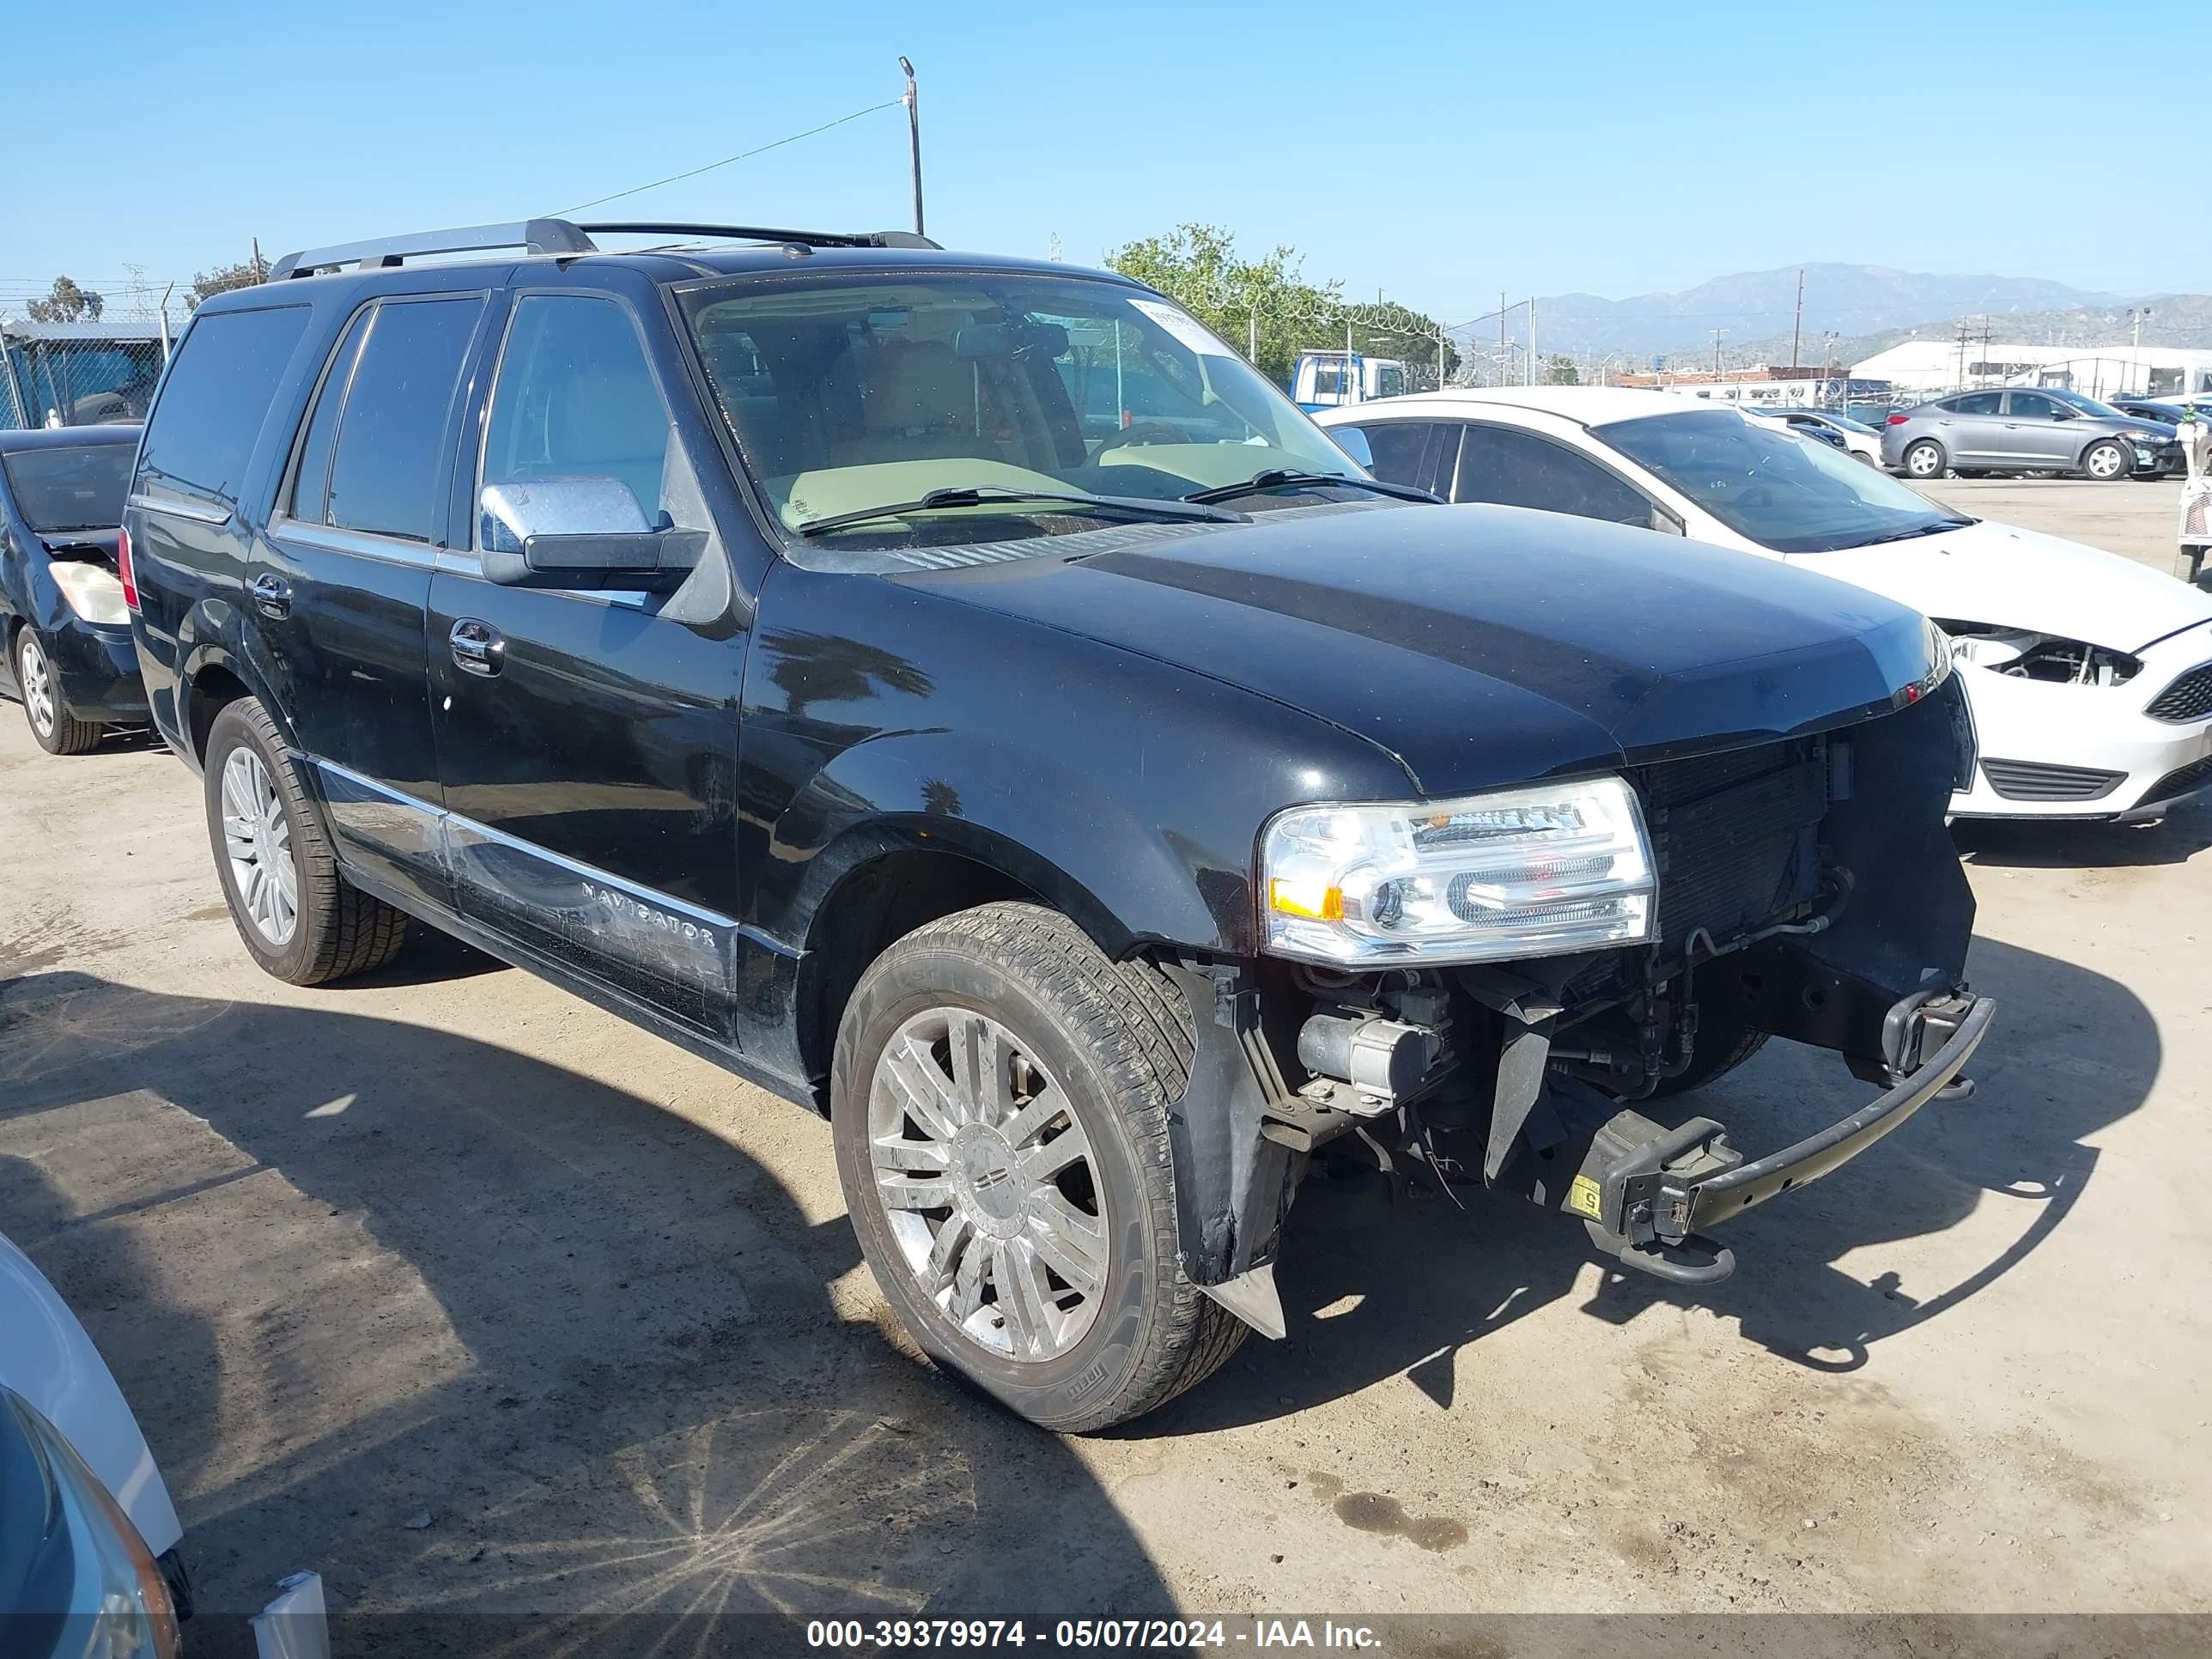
x: 579, y: 532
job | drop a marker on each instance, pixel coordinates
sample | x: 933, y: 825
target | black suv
x: 800, y: 645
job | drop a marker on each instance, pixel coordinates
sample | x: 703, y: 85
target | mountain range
x: 1856, y: 301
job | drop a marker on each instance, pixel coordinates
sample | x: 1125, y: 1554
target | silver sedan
x: 2015, y: 430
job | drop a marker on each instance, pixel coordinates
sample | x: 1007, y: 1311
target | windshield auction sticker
x: 1183, y: 326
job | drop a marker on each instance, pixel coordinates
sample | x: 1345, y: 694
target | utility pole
x: 1717, y: 352
x: 1532, y: 339
x: 1502, y: 358
x: 2138, y: 319
x: 260, y: 270
x: 912, y: 99
x: 1440, y: 360
x: 1797, y: 327
x: 1962, y: 351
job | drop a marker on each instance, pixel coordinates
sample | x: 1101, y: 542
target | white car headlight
x: 118, y: 1592
x: 1531, y: 872
x: 92, y: 592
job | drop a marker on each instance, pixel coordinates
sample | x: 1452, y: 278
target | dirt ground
x: 476, y: 1299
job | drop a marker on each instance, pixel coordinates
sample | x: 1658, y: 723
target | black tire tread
x: 1135, y: 1019
x: 364, y: 933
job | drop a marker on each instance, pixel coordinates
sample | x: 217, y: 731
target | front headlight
x: 1517, y: 872
x: 119, y: 1599
x: 92, y: 590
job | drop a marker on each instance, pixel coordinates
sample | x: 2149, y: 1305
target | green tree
x: 68, y: 303
x: 206, y: 284
x: 1563, y: 371
x: 1264, y: 307
x: 1268, y: 309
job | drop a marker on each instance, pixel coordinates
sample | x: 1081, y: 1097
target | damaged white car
x: 2089, y: 674
x: 91, y: 1557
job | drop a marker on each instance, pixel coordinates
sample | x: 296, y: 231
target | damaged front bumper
x: 1646, y: 1192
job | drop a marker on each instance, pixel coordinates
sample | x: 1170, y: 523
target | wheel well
x: 213, y: 689
x: 875, y: 905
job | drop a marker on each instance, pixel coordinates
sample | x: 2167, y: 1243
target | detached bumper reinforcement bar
x: 1654, y: 1199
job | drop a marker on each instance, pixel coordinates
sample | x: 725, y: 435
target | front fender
x: 1057, y: 828
x: 1128, y: 792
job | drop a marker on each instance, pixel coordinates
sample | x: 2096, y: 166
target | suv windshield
x: 853, y: 394
x: 81, y: 487
x: 1780, y: 491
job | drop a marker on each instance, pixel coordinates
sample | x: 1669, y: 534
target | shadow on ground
x: 472, y: 1335
x: 2006, y: 844
x: 1372, y: 1288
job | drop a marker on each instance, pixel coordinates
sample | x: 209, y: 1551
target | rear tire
x: 959, y: 1029
x: 2105, y: 461
x: 301, y: 920
x: 1924, y: 459
x: 45, y: 705
x: 1721, y: 1046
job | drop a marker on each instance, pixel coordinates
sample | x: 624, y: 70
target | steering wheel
x: 1143, y: 432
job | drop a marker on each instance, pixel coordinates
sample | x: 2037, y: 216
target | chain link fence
x: 97, y: 360
x: 76, y: 374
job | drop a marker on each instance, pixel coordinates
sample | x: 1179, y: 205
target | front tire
x: 1924, y: 459
x: 999, y: 1098
x: 2105, y: 461
x: 45, y: 705
x: 301, y: 920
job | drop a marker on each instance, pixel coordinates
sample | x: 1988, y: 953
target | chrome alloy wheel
x: 36, y: 682
x: 985, y: 1178
x: 257, y: 840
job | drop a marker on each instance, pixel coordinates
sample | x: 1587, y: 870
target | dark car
x: 2153, y: 409
x: 754, y: 640
x: 2022, y: 429
x: 63, y: 615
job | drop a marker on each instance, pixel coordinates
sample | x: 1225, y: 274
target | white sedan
x: 2089, y: 674
x: 1861, y: 441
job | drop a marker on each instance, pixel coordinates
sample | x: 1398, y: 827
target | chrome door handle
x: 272, y: 594
x: 478, y: 647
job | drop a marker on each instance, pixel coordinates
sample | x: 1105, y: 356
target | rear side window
x: 576, y: 399
x: 1979, y: 403
x: 393, y: 430
x: 1398, y: 445
x: 1518, y: 468
x: 217, y: 394
x: 312, y: 481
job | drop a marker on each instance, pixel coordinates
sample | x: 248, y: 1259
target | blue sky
x: 1439, y: 152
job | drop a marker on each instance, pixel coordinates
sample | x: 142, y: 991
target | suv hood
x: 2010, y: 578
x: 1484, y: 645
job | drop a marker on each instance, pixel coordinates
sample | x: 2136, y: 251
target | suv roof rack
x: 559, y: 236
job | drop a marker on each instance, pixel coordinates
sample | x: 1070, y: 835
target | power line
x: 741, y: 155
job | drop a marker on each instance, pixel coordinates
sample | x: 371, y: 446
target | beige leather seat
x: 917, y: 403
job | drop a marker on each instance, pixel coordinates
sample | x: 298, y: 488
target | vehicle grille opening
x: 2189, y: 698
x: 1732, y: 836
x: 2195, y: 775
x: 2032, y: 781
